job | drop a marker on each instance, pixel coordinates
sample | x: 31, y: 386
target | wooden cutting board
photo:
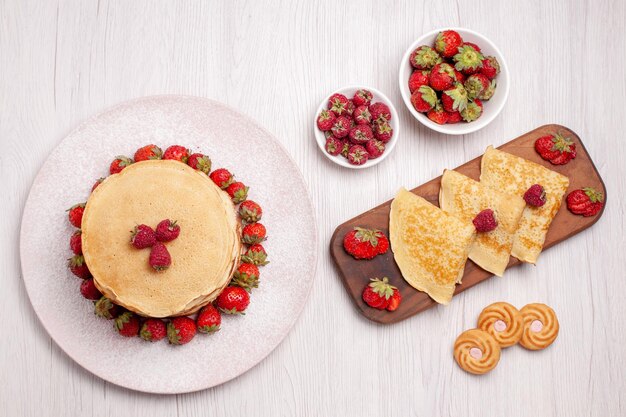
x: 355, y: 274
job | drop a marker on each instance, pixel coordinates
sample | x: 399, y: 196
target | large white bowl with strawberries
x: 356, y: 127
x: 454, y: 81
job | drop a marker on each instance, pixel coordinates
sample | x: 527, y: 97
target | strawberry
x: 357, y: 155
x: 148, y: 152
x: 468, y: 59
x: 325, y: 120
x: 78, y: 267
x: 200, y: 162
x: 424, y: 99
x: 119, y: 163
x: 424, y: 58
x: 142, y: 236
x: 237, y: 191
x: 345, y: 147
x: 167, y: 230
x: 181, y: 330
x: 473, y: 45
x: 75, y: 214
x: 438, y: 115
x: 485, y: 221
x: 177, y: 153
x: 442, y: 77
x: 127, y: 324
x: 361, y: 134
x: 475, y: 85
x: 362, y: 115
x: 489, y: 91
x: 491, y: 67
x: 460, y: 77
x: 341, y: 127
x: 89, y: 291
x: 556, y: 148
x: 153, y: 330
x: 106, y: 309
x: 374, y: 148
x: 233, y: 300
x: 246, y: 276
x: 395, y: 300
x: 362, y: 98
x: 383, y: 131
x: 350, y: 109
x: 454, y: 117
x: 455, y: 98
x: 378, y: 293
x: 417, y: 79
x: 535, y: 196
x: 380, y: 112
x: 365, y: 243
x: 586, y: 201
x: 250, y: 211
x: 76, y: 243
x: 98, y: 182
x: 473, y: 111
x: 255, y: 255
x: 209, y: 319
x: 253, y: 233
x: 338, y: 104
x: 222, y: 178
x: 160, y: 258
x: 333, y: 146
x: 447, y: 43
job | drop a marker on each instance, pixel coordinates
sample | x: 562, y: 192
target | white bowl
x: 378, y: 97
x: 491, y: 108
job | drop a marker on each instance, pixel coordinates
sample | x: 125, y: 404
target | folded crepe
x: 465, y: 198
x: 501, y: 171
x: 204, y: 255
x: 429, y: 245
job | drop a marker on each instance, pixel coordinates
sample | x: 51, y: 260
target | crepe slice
x: 465, y: 198
x: 511, y: 174
x: 429, y: 245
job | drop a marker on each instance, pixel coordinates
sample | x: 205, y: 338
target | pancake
x: 204, y: 256
x: 465, y: 198
x: 429, y: 245
x: 511, y: 174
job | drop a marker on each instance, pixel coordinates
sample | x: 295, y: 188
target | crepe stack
x: 204, y: 256
x: 429, y: 245
x: 501, y: 171
x: 465, y: 198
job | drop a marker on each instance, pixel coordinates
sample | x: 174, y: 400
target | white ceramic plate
x: 232, y: 141
x: 378, y: 97
x: 491, y: 108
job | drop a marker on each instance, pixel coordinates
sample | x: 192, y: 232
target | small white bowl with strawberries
x: 356, y: 127
x: 454, y: 81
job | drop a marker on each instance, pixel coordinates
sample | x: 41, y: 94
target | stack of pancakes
x: 204, y: 256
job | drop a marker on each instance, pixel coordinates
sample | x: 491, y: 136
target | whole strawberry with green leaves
x: 379, y: 294
x: 424, y: 99
x: 455, y: 98
x: 364, y: 243
x: 209, y: 319
x: 447, y: 43
x: 153, y: 330
x: 424, y: 58
x: 255, y: 255
x: 556, y: 148
x: 468, y: 59
x: 200, y: 162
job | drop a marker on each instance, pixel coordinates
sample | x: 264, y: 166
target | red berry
x: 246, y: 276
x: 424, y: 99
x: 255, y: 255
x: 357, y: 155
x: 383, y: 131
x: 362, y: 115
x: 78, y: 267
x: 106, y: 309
x: 333, y: 145
x: 233, y: 300
x: 253, y: 233
x: 200, y: 162
x: 119, y: 163
x: 378, y: 293
x: 485, y: 221
x: 338, y: 104
x: 424, y: 58
x: 374, y: 148
x: 417, y: 79
x: 238, y: 192
x: 148, y: 152
x: 89, y: 291
x: 75, y: 214
x: 365, y: 243
x: 442, y: 77
x: 362, y: 98
x: 160, y: 258
x: 97, y: 183
x: 142, y: 236
x: 222, y: 178
x: 325, y: 120
x: 473, y: 111
x: 76, y: 243
x: 167, y: 230
x: 380, y: 112
x: 250, y: 211
x: 491, y: 67
x: 153, y: 330
x: 395, y: 300
x: 447, y: 43
x: 535, y: 196
x: 438, y: 115
x: 127, y: 324
x: 341, y: 127
x: 454, y: 117
x: 209, y: 319
x: 177, y: 153
x: 361, y: 134
x: 181, y: 330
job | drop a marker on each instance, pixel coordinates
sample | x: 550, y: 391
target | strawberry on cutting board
x: 381, y: 295
x: 365, y: 243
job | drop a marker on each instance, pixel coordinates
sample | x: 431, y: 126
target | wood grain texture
x: 64, y: 60
x: 355, y: 274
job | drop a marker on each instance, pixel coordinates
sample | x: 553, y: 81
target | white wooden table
x: 62, y: 61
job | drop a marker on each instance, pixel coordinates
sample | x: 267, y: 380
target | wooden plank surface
x: 355, y: 274
x: 64, y: 60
